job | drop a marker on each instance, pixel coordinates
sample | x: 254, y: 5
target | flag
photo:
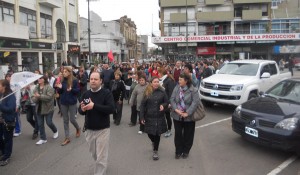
x: 110, y: 56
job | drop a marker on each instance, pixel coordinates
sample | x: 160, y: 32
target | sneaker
x: 4, y: 162
x: 55, y: 135
x: 78, y: 132
x: 40, y: 142
x: 131, y: 124
x: 75, y: 115
x: 140, y: 132
x: 155, y: 155
x: 17, y: 134
x: 34, y: 136
x: 168, y: 133
x: 66, y: 141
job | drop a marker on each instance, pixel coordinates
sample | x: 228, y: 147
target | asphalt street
x: 216, y: 150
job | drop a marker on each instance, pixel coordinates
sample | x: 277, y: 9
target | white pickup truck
x: 239, y: 81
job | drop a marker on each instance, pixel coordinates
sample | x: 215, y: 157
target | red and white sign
x: 206, y: 50
x: 216, y: 38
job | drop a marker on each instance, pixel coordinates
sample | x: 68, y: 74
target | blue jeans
x: 18, y: 123
x: 49, y: 122
x: 32, y: 118
x: 6, y: 141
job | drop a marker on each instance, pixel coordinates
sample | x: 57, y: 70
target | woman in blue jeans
x: 7, y: 117
x: 43, y: 96
x: 68, y: 91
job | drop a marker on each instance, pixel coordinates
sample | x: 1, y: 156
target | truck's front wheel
x: 252, y: 95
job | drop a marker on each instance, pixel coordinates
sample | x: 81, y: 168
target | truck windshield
x: 239, y: 69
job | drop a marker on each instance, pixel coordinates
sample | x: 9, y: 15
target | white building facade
x: 39, y: 34
x: 105, y: 37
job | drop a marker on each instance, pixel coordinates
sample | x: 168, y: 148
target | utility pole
x: 89, y: 30
x: 186, y: 33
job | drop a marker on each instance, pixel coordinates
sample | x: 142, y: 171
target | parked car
x: 239, y: 81
x: 297, y: 66
x: 273, y: 119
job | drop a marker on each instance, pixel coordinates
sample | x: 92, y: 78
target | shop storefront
x: 24, y: 55
x: 73, y: 55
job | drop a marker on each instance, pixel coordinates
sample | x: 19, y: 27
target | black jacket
x: 117, y: 88
x: 169, y: 86
x: 155, y: 122
x: 98, y: 117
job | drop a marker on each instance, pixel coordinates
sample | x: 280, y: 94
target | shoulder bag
x: 199, y: 113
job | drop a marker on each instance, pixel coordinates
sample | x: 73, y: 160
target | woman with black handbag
x: 117, y: 88
x: 184, y: 101
x: 7, y: 121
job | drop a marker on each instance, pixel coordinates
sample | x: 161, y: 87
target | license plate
x: 251, y: 131
x: 214, y: 93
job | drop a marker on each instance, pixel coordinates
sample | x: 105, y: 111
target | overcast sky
x: 140, y: 11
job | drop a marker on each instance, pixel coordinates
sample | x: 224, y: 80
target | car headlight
x: 238, y: 87
x: 202, y: 84
x: 238, y: 111
x: 287, y: 124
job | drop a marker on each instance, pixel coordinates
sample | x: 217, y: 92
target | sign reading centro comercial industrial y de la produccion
x: 215, y: 38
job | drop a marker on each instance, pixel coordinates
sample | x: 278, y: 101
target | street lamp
x: 89, y: 29
x: 186, y: 32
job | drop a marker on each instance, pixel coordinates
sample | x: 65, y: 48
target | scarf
x: 181, y: 104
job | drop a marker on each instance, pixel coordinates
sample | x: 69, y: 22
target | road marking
x: 212, y: 123
x: 283, y: 165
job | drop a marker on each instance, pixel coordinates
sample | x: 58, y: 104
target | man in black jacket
x: 96, y: 104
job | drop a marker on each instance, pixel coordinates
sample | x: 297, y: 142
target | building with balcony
x: 105, y: 36
x: 233, y: 29
x: 39, y: 34
x: 128, y: 29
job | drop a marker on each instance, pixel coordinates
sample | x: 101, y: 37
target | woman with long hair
x: 168, y: 83
x: 68, y: 91
x: 184, y: 101
x: 43, y: 96
x: 152, y: 111
x: 7, y: 121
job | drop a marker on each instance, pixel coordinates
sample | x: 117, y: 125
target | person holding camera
x: 7, y: 121
x: 97, y: 104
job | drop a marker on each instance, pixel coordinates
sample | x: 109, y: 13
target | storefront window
x: 30, y: 61
x: 48, y: 61
x: 10, y: 59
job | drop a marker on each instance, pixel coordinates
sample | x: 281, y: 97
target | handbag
x: 10, y: 126
x: 199, y: 113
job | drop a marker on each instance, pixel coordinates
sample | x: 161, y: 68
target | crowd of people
x: 156, y: 92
